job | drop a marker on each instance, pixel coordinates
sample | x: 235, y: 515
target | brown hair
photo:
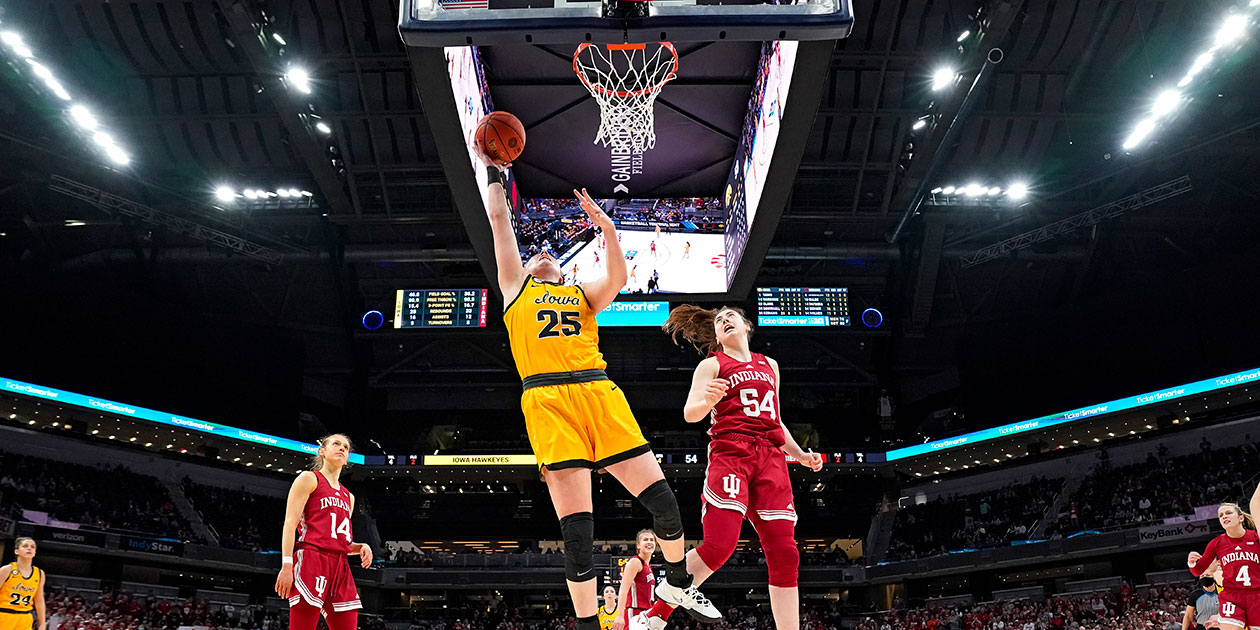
x: 695, y: 324
x: 317, y: 460
x: 17, y: 542
x: 1249, y: 522
x: 639, y: 535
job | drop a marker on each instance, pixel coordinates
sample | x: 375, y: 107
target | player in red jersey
x: 747, y: 474
x: 1238, y: 551
x: 637, y: 580
x: 316, y: 577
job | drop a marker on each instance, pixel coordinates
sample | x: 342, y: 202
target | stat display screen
x: 441, y: 308
x: 804, y: 306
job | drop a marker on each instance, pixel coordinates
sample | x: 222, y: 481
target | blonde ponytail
x: 317, y: 460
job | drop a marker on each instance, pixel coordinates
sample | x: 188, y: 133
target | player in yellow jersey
x: 22, y: 592
x: 608, y: 610
x: 578, y: 421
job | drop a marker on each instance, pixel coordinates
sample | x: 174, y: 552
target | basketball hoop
x: 625, y: 80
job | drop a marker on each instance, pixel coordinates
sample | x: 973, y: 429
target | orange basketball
x: 502, y: 136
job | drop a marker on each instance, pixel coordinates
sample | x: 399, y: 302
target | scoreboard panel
x: 803, y: 306
x: 441, y: 308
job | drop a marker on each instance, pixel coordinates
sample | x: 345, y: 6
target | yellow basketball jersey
x: 552, y: 329
x: 17, y: 592
x: 606, y: 618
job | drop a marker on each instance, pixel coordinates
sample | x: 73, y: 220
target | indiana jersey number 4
x: 753, y: 407
x: 343, y: 528
x: 1243, y: 577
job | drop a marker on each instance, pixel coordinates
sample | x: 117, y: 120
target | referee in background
x: 1202, y: 606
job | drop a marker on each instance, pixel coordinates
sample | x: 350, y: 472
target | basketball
x: 502, y: 136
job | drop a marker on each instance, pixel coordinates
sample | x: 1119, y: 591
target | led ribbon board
x: 161, y: 417
x: 633, y: 314
x: 1115, y: 406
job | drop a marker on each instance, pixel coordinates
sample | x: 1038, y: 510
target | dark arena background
x: 1004, y: 253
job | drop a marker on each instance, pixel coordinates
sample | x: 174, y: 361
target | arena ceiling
x: 1153, y: 293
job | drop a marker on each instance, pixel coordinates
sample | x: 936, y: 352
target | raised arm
x: 706, y: 390
x: 810, y: 460
x: 299, y: 492
x: 507, y: 254
x: 602, y: 292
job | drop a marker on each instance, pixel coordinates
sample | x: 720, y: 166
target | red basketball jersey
x: 326, y: 518
x: 642, y: 588
x: 1240, y: 558
x: 751, y: 405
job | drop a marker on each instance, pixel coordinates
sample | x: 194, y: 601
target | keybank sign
x: 161, y: 417
x: 1044, y: 422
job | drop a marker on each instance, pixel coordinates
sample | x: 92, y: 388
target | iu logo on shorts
x: 1227, y: 609
x: 730, y: 485
x: 321, y: 583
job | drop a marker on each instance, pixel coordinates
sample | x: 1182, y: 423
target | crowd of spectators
x: 241, y: 519
x: 1154, y: 608
x: 974, y: 521
x: 111, y: 610
x: 1158, y: 488
x: 92, y: 497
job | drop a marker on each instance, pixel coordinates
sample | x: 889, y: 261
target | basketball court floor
x: 699, y: 271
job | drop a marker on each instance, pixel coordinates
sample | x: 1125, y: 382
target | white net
x: 625, y: 80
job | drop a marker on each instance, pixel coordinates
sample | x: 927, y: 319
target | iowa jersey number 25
x: 566, y: 321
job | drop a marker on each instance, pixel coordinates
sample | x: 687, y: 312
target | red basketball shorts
x: 749, y: 475
x: 1240, y: 608
x: 322, y: 579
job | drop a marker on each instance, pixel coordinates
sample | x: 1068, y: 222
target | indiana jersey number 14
x: 753, y: 407
x: 343, y: 528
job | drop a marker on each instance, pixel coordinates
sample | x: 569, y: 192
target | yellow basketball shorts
x: 12, y: 620
x: 581, y: 425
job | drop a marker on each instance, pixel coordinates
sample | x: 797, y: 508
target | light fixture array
x: 977, y: 193
x: 1228, y: 38
x: 27, y: 63
x: 300, y: 82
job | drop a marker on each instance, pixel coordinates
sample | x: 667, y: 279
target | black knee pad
x: 661, y: 502
x: 579, y: 546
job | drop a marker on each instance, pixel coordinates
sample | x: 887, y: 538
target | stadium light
x: 283, y: 192
x: 223, y: 193
x: 57, y: 89
x: 1232, y: 29
x: 250, y: 194
x: 942, y: 78
x: 1140, y: 133
x: 279, y: 39
x: 938, y: 190
x: 995, y: 191
x: 919, y: 124
x: 103, y: 140
x: 964, y: 35
x: 948, y: 190
x: 975, y: 190
x: 323, y: 127
x: 12, y: 39
x: 39, y: 69
x: 300, y: 80
x: 1017, y: 191
x: 1166, y: 102
x: 83, y: 117
x: 117, y: 155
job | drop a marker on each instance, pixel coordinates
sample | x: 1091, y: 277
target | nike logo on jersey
x: 614, y: 388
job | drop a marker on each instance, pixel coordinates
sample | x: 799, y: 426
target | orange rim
x: 619, y: 93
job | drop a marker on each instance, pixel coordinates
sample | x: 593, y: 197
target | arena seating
x: 242, y: 520
x: 1161, y: 487
x: 1153, y: 608
x: 974, y: 521
x: 99, y: 498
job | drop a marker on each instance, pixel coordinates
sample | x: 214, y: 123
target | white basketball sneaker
x: 638, y: 622
x: 689, y: 599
